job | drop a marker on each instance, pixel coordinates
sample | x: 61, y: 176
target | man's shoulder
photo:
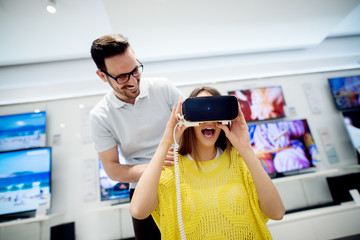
x: 161, y: 86
x: 156, y: 81
x: 101, y: 106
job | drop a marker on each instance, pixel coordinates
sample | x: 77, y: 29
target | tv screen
x: 25, y: 180
x: 284, y: 147
x: 340, y: 186
x: 352, y: 124
x: 19, y: 131
x: 110, y: 190
x: 346, y: 92
x: 261, y: 103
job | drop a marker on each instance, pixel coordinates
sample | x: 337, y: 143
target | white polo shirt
x: 135, y: 128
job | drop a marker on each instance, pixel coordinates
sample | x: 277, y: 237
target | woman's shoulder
x: 237, y: 160
x: 234, y: 153
x: 167, y: 175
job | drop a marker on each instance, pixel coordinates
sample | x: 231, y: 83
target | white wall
x: 77, y: 78
x: 74, y: 176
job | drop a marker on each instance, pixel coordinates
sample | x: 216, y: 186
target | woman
x: 225, y: 192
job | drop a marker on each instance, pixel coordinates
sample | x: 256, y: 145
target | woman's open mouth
x: 208, y: 132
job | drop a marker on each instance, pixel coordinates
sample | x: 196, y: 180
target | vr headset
x: 221, y: 109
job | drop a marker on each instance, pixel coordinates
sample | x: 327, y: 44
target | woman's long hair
x: 187, y: 141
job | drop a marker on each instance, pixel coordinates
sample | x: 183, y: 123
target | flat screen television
x: 261, y: 103
x: 25, y: 130
x: 111, y: 190
x: 25, y: 182
x: 284, y: 147
x: 352, y: 124
x: 341, y: 185
x: 345, y: 92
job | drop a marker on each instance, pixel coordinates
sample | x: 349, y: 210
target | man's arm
x: 119, y: 172
x: 145, y: 198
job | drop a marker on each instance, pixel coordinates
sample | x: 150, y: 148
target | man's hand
x: 169, y: 160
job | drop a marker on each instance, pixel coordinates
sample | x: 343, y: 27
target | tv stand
x: 327, y: 204
x: 43, y: 231
x: 321, y: 223
x: 17, y: 216
x: 9, y: 219
x: 122, y: 201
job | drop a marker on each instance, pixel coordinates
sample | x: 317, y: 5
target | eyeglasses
x: 125, y: 77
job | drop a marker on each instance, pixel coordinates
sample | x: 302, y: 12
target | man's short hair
x: 108, y: 46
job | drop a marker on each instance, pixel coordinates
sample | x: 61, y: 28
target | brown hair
x: 108, y: 46
x: 187, y: 141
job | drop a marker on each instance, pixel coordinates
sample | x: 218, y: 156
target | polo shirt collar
x: 117, y: 103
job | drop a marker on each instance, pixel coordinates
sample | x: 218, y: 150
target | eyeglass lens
x: 126, y: 77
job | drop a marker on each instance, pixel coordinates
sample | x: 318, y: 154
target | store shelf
x: 30, y: 220
x: 305, y: 175
x: 324, y: 223
x: 306, y: 214
x: 112, y: 207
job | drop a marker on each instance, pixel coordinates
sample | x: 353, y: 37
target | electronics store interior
x: 293, y: 66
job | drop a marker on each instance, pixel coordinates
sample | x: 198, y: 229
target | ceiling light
x: 51, y: 6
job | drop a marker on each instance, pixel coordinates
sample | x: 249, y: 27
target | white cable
x: 177, y: 185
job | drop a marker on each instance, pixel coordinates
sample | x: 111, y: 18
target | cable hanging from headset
x: 177, y: 185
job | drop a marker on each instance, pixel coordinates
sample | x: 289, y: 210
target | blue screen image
x: 19, y: 131
x: 25, y: 177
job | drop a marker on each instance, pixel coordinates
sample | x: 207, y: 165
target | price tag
x: 355, y: 195
x: 41, y: 210
x: 328, y: 145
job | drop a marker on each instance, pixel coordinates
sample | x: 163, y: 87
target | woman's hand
x: 238, y: 134
x: 269, y: 198
x: 168, y: 136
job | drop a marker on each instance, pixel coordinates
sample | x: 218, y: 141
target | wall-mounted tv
x: 352, y: 124
x: 25, y: 130
x: 110, y: 190
x: 284, y: 147
x: 345, y: 92
x: 261, y: 103
x: 25, y: 182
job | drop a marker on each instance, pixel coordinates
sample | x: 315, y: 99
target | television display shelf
x: 30, y: 220
x: 305, y: 175
x: 350, y: 167
x: 331, y: 222
x: 307, y: 214
x: 110, y: 207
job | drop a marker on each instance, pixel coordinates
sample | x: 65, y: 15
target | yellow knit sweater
x: 218, y: 202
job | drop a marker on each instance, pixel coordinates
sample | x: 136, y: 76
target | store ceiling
x: 170, y: 29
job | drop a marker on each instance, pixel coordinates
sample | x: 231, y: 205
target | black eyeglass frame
x: 139, y: 67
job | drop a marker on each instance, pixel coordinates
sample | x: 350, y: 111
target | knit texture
x: 218, y: 202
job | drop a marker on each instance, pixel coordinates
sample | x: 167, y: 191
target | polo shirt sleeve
x: 173, y: 93
x: 101, y: 135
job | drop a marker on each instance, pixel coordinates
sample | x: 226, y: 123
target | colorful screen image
x: 284, y: 146
x: 346, y: 92
x: 261, y: 103
x: 19, y: 131
x: 352, y: 124
x: 110, y: 189
x: 25, y: 177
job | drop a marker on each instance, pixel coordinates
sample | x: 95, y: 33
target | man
x: 132, y: 117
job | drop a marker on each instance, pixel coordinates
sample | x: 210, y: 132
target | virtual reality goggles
x: 221, y: 109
